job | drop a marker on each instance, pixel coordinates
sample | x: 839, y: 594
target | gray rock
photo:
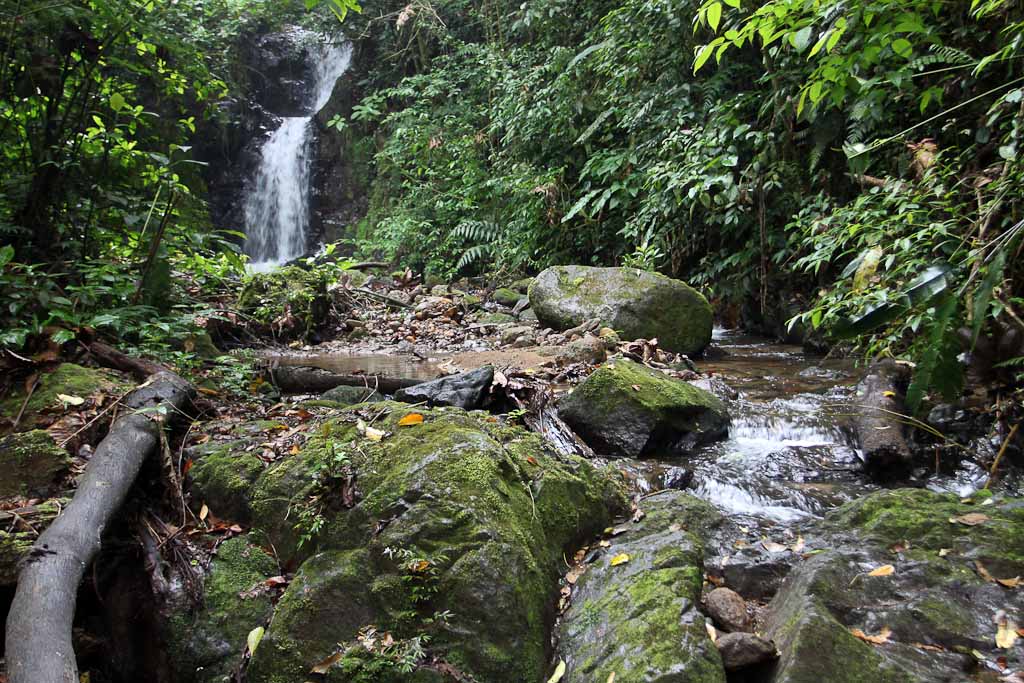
x: 467, y: 390
x: 740, y: 650
x: 639, y: 618
x: 511, y: 334
x: 589, y: 349
x: 728, y: 609
x: 636, y: 303
x: 528, y: 316
x: 347, y: 396
x: 624, y: 408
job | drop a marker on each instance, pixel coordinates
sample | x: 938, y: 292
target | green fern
x: 485, y: 234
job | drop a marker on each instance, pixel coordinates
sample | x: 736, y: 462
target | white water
x: 277, y: 206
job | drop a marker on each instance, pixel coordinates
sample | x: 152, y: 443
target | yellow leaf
x: 254, y: 638
x: 326, y: 663
x: 884, y: 570
x: 611, y: 678
x: 559, y: 672
x: 1010, y: 583
x: 411, y: 419
x: 203, y: 512
x: 711, y: 631
x: 71, y: 400
x: 888, y: 394
x: 970, y: 519
x: 1006, y: 633
x: 621, y: 558
x: 798, y: 547
x: 374, y: 434
x: 882, y: 637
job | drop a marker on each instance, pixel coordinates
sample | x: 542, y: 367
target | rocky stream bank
x: 529, y: 483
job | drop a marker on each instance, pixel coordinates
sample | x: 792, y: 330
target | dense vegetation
x: 850, y: 171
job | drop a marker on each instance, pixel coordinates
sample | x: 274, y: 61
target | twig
x: 999, y: 455
x: 24, y: 403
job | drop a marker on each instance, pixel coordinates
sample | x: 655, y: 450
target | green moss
x: 15, y: 542
x: 302, y: 294
x: 507, y: 297
x: 30, y: 462
x: 223, y: 476
x: 69, y: 379
x: 657, y: 393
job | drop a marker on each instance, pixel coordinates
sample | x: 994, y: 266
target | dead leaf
x: 798, y: 547
x: 711, y: 631
x: 276, y: 581
x: 375, y: 434
x: 621, y: 558
x: 636, y: 387
x: 573, y: 576
x: 559, y: 672
x: 254, y: 638
x: 970, y: 519
x: 70, y: 400
x: 324, y: 665
x: 611, y: 678
x: 532, y: 460
x: 884, y: 570
x: 772, y: 546
x: 295, y: 450
x: 1009, y: 583
x: 1006, y: 631
x: 208, y: 391
x: 982, y: 572
x: 411, y: 419
x: 203, y: 512
x: 605, y: 544
x: 888, y: 394
x: 879, y: 639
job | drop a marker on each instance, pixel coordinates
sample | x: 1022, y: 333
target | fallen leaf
x: 799, y: 545
x: 275, y: 581
x: 982, y: 572
x: 882, y: 637
x: 621, y: 558
x: 559, y: 672
x: 970, y: 519
x: 636, y: 387
x: 884, y: 570
x: 611, y: 678
x: 532, y: 460
x: 573, y: 576
x: 605, y: 544
x: 186, y: 467
x: 208, y: 391
x: 1009, y: 583
x: 324, y: 665
x: 295, y: 450
x: 254, y: 638
x: 944, y: 551
x: 419, y: 566
x: 71, y: 400
x: 772, y: 546
x: 711, y: 631
x: 888, y: 394
x: 411, y: 419
x: 1006, y: 632
x: 375, y: 434
x: 203, y: 512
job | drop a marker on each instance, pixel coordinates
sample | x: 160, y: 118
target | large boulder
x: 916, y: 572
x: 638, y: 619
x: 448, y: 531
x: 636, y: 303
x: 466, y: 390
x: 625, y: 408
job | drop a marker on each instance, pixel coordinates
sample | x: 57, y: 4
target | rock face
x: 639, y: 619
x: 930, y: 612
x: 635, y: 303
x: 452, y: 529
x: 466, y: 390
x: 624, y: 408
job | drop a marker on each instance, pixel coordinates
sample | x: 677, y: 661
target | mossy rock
x: 15, y: 542
x: 506, y: 297
x: 91, y: 384
x: 289, y: 293
x: 496, y: 319
x: 522, y: 286
x: 492, y: 506
x: 935, y: 595
x: 31, y: 462
x: 207, y: 646
x: 343, y: 396
x: 636, y: 303
x: 639, y: 619
x: 624, y: 408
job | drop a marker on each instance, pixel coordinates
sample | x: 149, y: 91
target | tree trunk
x: 296, y: 379
x: 39, y: 647
x: 880, y: 421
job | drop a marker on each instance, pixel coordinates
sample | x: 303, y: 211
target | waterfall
x: 277, y: 205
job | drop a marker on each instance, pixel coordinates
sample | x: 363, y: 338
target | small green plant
x: 645, y: 257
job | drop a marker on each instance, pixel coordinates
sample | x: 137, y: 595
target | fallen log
x: 39, y: 648
x: 109, y: 357
x: 880, y: 422
x: 300, y: 379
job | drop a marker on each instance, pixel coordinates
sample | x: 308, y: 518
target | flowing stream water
x: 277, y: 205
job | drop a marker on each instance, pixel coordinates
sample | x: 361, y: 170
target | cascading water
x: 277, y: 205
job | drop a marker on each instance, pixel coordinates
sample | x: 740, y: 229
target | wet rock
x: 346, y: 396
x: 639, y: 619
x: 466, y: 390
x: 624, y: 408
x: 206, y: 646
x: 728, y: 609
x: 742, y: 650
x: 950, y: 419
x: 935, y: 605
x: 433, y: 307
x: 30, y: 463
x: 455, y: 515
x: 716, y: 386
x: 528, y: 317
x: 638, y: 304
x: 507, y: 297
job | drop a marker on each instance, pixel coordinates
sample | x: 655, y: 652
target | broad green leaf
x: 117, y: 101
x: 938, y: 367
x: 6, y: 254
x: 702, y: 57
x: 801, y: 38
x: 714, y: 15
x: 902, y: 47
x: 254, y: 638
x: 983, y: 296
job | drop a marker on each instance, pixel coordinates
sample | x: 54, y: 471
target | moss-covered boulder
x: 207, y: 645
x: 348, y: 396
x: 94, y: 385
x: 290, y: 302
x: 17, y: 534
x: 447, y: 531
x: 636, y: 303
x: 937, y: 606
x: 506, y: 297
x: 638, y: 619
x: 625, y: 408
x: 31, y: 463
